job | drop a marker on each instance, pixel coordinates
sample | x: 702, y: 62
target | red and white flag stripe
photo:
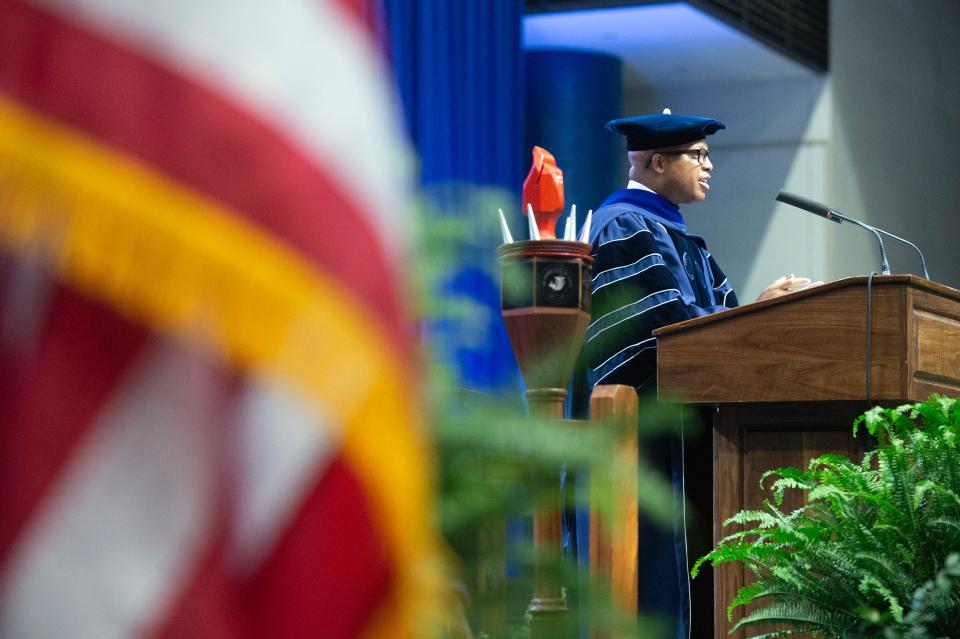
x: 271, y: 57
x: 153, y: 482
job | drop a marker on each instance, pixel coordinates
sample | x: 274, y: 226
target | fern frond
x: 746, y: 595
x: 778, y: 633
x: 764, y: 519
x: 872, y: 585
x: 946, y: 523
x: 743, y: 551
x: 811, y: 618
x: 781, y: 485
x: 891, y: 573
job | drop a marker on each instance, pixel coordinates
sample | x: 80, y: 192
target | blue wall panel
x: 570, y: 96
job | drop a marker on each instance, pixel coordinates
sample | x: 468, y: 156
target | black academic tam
x: 661, y: 130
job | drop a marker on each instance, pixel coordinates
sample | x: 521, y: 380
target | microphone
x: 835, y: 216
x: 809, y: 205
x: 825, y: 211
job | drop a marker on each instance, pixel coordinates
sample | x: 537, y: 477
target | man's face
x: 685, y: 179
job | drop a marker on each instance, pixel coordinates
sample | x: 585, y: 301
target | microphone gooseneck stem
x: 923, y: 262
x: 884, y: 265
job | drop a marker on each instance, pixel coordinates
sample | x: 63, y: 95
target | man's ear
x: 656, y: 162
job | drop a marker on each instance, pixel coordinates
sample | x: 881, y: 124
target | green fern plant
x: 869, y: 555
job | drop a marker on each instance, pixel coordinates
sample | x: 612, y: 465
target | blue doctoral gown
x: 649, y: 272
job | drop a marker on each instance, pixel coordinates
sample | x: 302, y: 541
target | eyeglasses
x: 700, y: 154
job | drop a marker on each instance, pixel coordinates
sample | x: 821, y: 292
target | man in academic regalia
x: 650, y: 272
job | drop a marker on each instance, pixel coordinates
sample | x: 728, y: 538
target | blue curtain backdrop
x: 458, y: 67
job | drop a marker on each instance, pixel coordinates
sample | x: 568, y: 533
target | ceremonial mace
x: 545, y: 302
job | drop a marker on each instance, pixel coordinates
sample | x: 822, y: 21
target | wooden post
x: 614, y: 540
x: 548, y: 608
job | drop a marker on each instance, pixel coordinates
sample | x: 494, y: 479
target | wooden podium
x: 789, y: 376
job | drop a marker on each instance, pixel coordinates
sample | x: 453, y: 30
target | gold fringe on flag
x: 192, y: 270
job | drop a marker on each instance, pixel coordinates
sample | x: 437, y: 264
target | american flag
x: 208, y: 424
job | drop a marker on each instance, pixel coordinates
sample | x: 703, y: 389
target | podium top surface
x: 847, y: 282
x: 835, y: 341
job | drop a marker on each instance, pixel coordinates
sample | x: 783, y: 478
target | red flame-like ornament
x: 543, y: 190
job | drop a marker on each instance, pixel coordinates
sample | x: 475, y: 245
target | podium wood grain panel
x: 750, y: 439
x: 728, y: 485
x: 811, y: 345
x: 796, y: 348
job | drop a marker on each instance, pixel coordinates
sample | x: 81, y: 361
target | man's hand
x: 784, y: 285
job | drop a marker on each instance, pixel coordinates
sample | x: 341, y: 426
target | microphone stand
x: 923, y: 262
x: 840, y: 219
x: 835, y: 216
